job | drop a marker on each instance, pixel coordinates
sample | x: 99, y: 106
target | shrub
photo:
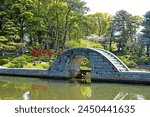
x: 3, y: 61
x: 132, y: 64
x: 19, y: 62
x: 29, y: 58
x: 83, y: 43
x: 143, y: 60
x: 44, y: 58
x: 44, y: 66
x: 9, y: 65
x: 126, y: 59
x: 113, y: 47
x: 85, y: 63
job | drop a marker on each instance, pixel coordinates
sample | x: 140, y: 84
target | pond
x: 18, y: 88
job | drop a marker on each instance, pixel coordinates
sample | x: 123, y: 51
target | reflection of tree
x: 86, y: 90
x: 131, y: 96
x: 120, y: 96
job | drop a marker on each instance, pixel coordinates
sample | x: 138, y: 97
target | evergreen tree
x: 146, y: 31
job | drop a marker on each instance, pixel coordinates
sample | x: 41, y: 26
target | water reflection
x: 140, y: 97
x: 131, y: 96
x: 43, y: 89
x: 86, y: 90
x: 26, y: 95
x: 120, y: 96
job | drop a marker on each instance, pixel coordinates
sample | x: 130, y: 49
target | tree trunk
x: 39, y: 33
x: 110, y: 41
x: 57, y: 34
x: 99, y: 26
x: 110, y: 45
x: 65, y: 30
x: 147, y: 50
x: 21, y: 30
x: 31, y: 41
x: 47, y: 44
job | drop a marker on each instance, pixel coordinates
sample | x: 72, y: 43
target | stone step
x: 114, y: 60
x: 122, y: 69
x: 116, y: 63
x: 119, y: 66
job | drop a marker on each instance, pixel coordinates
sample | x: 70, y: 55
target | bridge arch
x: 102, y: 62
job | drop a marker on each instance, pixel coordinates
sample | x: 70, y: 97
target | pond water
x: 18, y: 88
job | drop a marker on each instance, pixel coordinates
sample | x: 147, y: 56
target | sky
x: 135, y: 7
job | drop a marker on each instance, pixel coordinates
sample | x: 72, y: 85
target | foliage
x: 58, y: 24
x: 19, y: 62
x: 85, y: 64
x: 36, y: 53
x: 113, y: 47
x: 33, y: 65
x: 82, y: 43
x: 26, y: 61
x: 146, y: 31
x: 44, y: 58
x: 3, y: 39
x: 3, y: 61
x: 125, y: 27
x: 128, y: 61
x: 132, y: 64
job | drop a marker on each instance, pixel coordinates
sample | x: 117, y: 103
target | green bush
x: 29, y: 58
x: 29, y: 65
x: 113, y: 47
x: 85, y: 63
x: 19, y: 62
x: 132, y: 64
x: 44, y: 66
x: 33, y: 65
x: 143, y: 60
x: 126, y: 60
x: 9, y: 65
x: 3, y: 61
x: 83, y: 43
x: 44, y: 58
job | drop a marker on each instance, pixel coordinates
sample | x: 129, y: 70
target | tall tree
x: 122, y: 18
x: 103, y: 21
x: 146, y: 31
x: 9, y: 32
x: 111, y: 34
x: 74, y: 8
x: 126, y: 27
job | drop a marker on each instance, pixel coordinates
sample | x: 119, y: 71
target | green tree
x: 74, y: 8
x: 122, y: 19
x: 88, y: 25
x: 146, y: 31
x: 110, y: 37
x: 126, y: 27
x: 103, y: 22
x: 9, y: 33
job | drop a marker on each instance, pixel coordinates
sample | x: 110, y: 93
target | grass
x: 43, y: 65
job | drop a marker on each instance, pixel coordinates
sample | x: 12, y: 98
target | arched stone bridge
x: 104, y: 66
x: 102, y: 63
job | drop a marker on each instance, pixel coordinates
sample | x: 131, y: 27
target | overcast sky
x: 135, y: 7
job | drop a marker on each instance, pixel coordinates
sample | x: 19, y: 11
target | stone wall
x: 131, y: 76
x: 23, y: 72
x: 117, y: 76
